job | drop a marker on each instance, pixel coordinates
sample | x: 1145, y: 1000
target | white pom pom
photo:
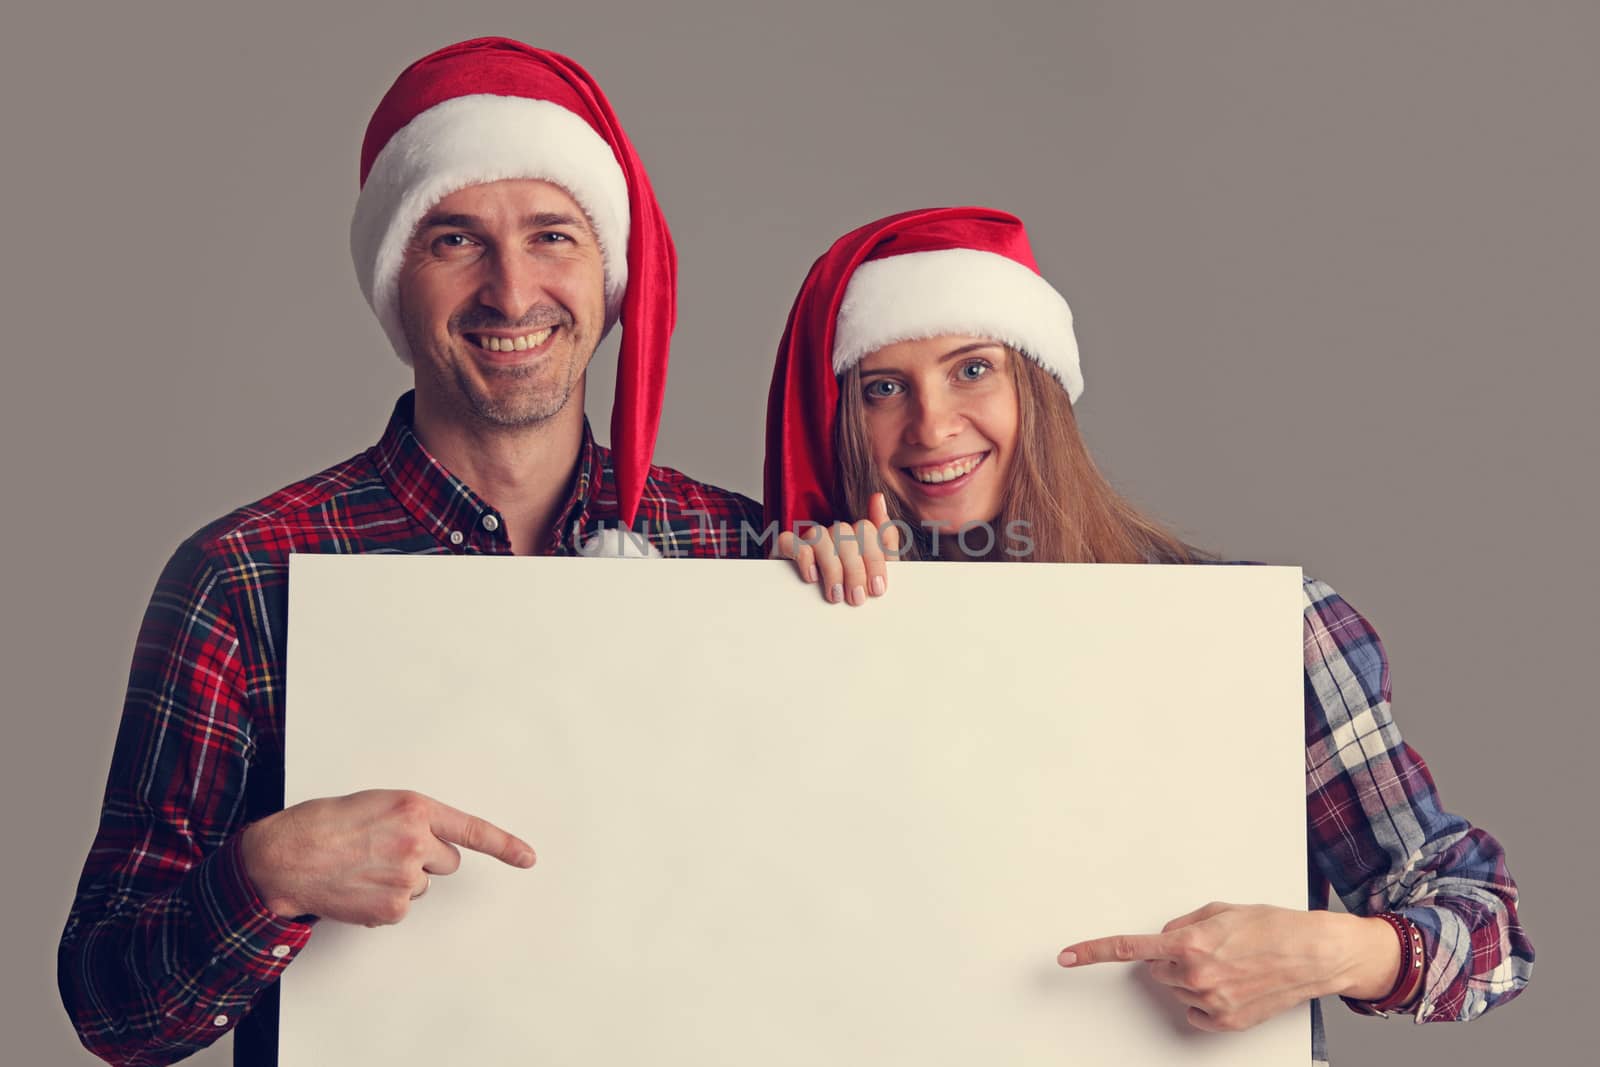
x: 614, y: 543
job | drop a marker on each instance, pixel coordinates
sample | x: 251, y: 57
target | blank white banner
x: 773, y: 831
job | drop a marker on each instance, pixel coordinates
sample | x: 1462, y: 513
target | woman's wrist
x: 1372, y: 958
x: 1407, y: 971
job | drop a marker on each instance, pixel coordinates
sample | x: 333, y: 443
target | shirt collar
x: 448, y: 508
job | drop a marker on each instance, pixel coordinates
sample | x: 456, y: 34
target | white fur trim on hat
x: 470, y: 140
x: 957, y: 291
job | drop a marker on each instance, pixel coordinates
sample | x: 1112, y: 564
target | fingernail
x: 525, y: 859
x: 858, y: 595
x: 811, y: 573
x: 1067, y: 959
x: 836, y: 593
x: 877, y: 585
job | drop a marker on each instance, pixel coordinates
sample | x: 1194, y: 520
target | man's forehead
x: 531, y: 203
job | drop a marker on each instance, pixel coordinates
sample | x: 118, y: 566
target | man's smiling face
x: 502, y: 299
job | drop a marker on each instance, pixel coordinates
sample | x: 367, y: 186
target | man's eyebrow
x: 541, y: 219
x: 452, y: 222
x: 537, y: 221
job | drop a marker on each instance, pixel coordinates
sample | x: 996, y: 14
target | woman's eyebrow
x: 964, y: 349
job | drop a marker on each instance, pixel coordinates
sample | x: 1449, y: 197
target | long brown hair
x: 1068, y: 510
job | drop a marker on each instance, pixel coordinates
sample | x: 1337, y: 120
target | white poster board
x: 773, y: 831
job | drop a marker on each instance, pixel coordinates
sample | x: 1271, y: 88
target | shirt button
x: 221, y: 1020
x: 280, y: 951
x: 456, y: 537
x: 491, y: 523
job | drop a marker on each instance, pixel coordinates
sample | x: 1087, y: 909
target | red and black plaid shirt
x: 168, y: 946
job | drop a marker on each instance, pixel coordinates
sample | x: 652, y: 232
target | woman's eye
x: 881, y: 388
x: 973, y: 370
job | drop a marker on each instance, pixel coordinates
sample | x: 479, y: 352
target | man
x: 504, y: 225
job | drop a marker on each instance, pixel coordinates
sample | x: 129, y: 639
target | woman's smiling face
x: 941, y: 423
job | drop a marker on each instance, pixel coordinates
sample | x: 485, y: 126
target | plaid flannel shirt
x: 1379, y: 836
x: 167, y: 945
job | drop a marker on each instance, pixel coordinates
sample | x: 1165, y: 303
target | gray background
x: 1333, y: 266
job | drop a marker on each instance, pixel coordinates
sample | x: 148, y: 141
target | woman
x: 926, y: 380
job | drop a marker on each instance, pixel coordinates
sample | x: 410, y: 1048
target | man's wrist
x: 256, y: 856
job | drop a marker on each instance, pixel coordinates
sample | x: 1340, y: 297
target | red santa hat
x: 955, y: 270
x: 490, y: 109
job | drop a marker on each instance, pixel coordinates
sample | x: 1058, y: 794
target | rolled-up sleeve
x: 1380, y: 835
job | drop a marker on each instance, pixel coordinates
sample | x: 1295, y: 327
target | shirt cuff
x: 1435, y: 1002
x: 238, y: 946
x: 238, y: 922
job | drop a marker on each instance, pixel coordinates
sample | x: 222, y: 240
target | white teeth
x: 948, y: 473
x: 518, y: 344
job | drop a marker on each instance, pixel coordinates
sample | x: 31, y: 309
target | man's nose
x: 512, y: 283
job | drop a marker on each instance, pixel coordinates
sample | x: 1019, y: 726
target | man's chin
x: 515, y: 413
x: 513, y: 398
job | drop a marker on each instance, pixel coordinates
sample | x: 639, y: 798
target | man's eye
x: 554, y: 237
x: 452, y: 241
